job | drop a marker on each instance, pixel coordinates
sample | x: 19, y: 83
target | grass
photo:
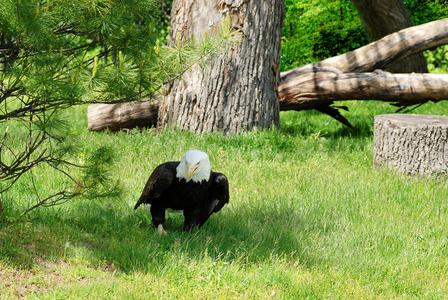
x: 309, y: 217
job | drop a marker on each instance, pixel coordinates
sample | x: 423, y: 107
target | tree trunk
x: 239, y: 90
x: 382, y: 17
x: 412, y: 144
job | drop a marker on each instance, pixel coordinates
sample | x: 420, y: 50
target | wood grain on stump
x: 411, y: 144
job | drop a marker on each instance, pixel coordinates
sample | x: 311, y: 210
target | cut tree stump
x: 411, y: 144
x: 122, y: 116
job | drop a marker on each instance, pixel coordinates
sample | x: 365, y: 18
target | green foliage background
x: 315, y: 30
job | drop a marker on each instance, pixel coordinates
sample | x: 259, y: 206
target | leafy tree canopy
x: 315, y: 30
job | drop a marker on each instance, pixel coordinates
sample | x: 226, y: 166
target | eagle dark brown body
x: 198, y: 200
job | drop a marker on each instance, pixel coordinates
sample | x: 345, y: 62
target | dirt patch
x: 43, y: 277
x: 21, y: 283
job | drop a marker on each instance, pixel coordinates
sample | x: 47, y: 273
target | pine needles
x: 59, y: 54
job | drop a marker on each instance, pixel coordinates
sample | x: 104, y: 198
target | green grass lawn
x: 309, y: 217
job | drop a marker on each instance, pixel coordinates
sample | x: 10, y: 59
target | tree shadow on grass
x: 128, y: 240
x: 362, y: 128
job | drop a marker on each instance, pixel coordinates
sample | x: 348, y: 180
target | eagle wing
x: 160, y: 179
x: 219, y: 192
x: 218, y: 196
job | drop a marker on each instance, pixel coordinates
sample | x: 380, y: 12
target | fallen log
x: 313, y: 90
x: 377, y: 55
x: 114, y: 117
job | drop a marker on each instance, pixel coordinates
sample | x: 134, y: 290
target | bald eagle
x: 188, y: 187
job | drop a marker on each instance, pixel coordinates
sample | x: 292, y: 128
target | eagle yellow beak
x: 190, y: 171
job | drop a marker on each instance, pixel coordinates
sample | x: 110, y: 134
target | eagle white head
x: 195, y: 165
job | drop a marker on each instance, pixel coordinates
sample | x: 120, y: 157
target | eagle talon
x: 161, y: 231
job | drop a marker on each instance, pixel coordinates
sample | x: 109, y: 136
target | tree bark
x: 314, y: 90
x: 114, y: 117
x: 239, y: 90
x: 412, y: 144
x: 382, y: 17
